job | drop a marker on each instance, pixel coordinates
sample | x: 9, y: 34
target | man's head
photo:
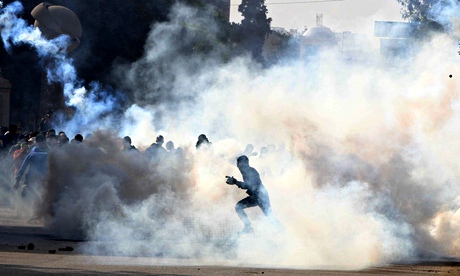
x: 160, y: 140
x: 242, y: 162
x: 50, y: 132
x: 249, y: 149
x: 40, y: 141
x: 34, y: 133
x: 62, y: 140
x: 127, y: 140
x: 170, y: 145
x: 53, y: 141
x: 203, y: 138
x: 12, y: 128
x: 31, y: 141
x: 79, y: 137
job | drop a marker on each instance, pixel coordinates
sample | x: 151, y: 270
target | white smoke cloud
x: 445, y: 12
x: 15, y: 31
x: 362, y: 171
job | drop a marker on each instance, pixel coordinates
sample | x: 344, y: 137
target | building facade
x: 5, y: 91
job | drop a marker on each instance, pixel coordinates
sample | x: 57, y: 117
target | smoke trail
x: 363, y: 170
x: 93, y: 103
x: 15, y: 31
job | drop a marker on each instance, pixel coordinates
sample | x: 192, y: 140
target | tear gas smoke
x: 446, y: 14
x: 361, y: 167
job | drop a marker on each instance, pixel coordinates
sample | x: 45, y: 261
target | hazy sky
x: 357, y: 16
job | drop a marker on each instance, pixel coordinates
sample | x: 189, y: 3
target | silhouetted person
x: 10, y: 137
x: 258, y: 195
x: 34, y: 133
x: 202, y: 140
x: 19, y: 156
x: 50, y: 133
x: 62, y: 140
x: 45, y: 122
x: 156, y: 149
x: 263, y: 152
x: 13, y: 148
x: 78, y: 138
x: 170, y: 147
x: 52, y: 141
x: 127, y: 146
x: 37, y: 164
x: 249, y: 150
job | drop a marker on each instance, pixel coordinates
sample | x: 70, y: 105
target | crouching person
x: 257, y: 194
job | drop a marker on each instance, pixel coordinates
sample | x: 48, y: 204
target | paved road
x: 46, y: 258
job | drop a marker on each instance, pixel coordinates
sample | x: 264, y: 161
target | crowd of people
x: 24, y: 156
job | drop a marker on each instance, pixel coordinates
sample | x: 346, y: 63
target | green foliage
x: 421, y: 11
x: 288, y: 47
x: 254, y: 27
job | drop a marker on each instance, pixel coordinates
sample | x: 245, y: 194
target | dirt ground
x: 49, y: 255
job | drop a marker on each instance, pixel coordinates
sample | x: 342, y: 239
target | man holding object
x: 258, y: 195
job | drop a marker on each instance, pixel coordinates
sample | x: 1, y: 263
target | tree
x: 255, y: 26
x: 425, y: 13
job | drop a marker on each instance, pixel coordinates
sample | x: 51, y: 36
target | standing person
x: 170, y: 147
x: 19, y: 156
x: 62, y: 139
x: 249, y: 150
x: 258, y: 195
x: 52, y: 141
x: 37, y: 163
x: 78, y: 138
x: 156, y: 150
x: 22, y: 138
x: 45, y: 122
x: 127, y: 144
x: 50, y: 133
x: 202, y: 140
x: 10, y: 137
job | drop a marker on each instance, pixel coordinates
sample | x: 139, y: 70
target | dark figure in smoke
x: 258, y: 195
x: 78, y: 138
x: 10, y: 137
x: 170, y: 147
x: 202, y: 140
x: 127, y: 144
x: 156, y: 151
x: 62, y: 139
x: 37, y: 163
x: 45, y: 122
x: 249, y: 150
x: 19, y: 156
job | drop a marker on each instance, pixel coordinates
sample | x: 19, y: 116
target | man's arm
x: 241, y: 184
x: 251, y: 180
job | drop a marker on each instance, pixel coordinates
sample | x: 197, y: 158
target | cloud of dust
x: 361, y: 166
